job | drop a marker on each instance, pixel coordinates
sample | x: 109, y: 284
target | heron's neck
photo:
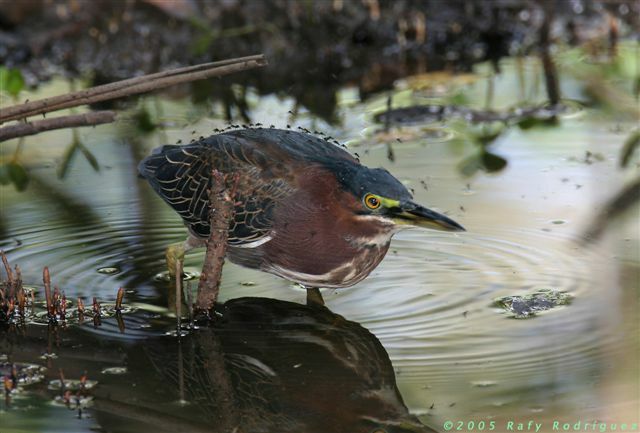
x: 371, y: 231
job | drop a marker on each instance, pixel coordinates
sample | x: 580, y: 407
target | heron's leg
x: 177, y: 251
x: 314, y: 297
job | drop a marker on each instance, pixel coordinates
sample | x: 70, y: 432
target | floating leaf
x: 629, y: 147
x: 527, y: 306
x: 11, y: 81
x: 18, y: 175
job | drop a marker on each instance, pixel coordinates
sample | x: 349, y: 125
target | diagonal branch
x: 31, y: 128
x: 132, y: 86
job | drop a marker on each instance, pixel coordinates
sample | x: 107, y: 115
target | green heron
x: 306, y: 209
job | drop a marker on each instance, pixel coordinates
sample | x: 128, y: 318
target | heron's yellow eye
x: 371, y: 201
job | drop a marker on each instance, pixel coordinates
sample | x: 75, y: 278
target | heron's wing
x: 181, y: 175
x: 293, y: 145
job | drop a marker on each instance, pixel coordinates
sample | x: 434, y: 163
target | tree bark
x: 221, y: 208
x: 73, y: 121
x: 132, y: 86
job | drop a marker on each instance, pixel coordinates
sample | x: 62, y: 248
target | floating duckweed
x: 483, y: 383
x: 27, y: 374
x: 72, y: 315
x: 109, y: 270
x: 72, y: 384
x: 77, y: 402
x: 174, y: 333
x: 49, y: 355
x: 524, y: 307
x: 114, y: 370
x: 187, y: 275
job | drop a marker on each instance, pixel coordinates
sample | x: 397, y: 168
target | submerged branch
x: 73, y: 121
x: 132, y: 86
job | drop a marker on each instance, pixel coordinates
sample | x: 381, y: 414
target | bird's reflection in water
x: 267, y: 366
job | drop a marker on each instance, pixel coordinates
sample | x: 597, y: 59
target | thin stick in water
x: 179, y: 294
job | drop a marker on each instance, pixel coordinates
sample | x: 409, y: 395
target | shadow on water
x: 263, y: 365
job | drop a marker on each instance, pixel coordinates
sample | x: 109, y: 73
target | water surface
x: 454, y: 355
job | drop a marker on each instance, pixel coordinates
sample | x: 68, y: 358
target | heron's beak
x: 410, y: 213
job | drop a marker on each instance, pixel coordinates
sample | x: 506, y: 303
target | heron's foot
x: 173, y: 254
x: 314, y: 297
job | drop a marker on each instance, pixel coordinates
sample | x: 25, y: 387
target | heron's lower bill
x: 410, y: 213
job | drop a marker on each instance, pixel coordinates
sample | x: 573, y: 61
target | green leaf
x: 11, y: 81
x: 630, y: 145
x: 18, y: 175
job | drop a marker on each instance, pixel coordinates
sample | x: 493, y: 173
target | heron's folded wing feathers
x: 181, y: 175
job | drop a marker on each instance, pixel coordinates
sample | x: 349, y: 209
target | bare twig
x: 18, y: 281
x: 95, y: 307
x: 46, y: 278
x: 221, y: 200
x: 80, y: 310
x: 132, y: 86
x: 96, y: 313
x: 31, y: 128
x: 22, y: 301
x: 7, y: 269
x: 119, y: 297
x: 189, y: 298
x: 178, y: 293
